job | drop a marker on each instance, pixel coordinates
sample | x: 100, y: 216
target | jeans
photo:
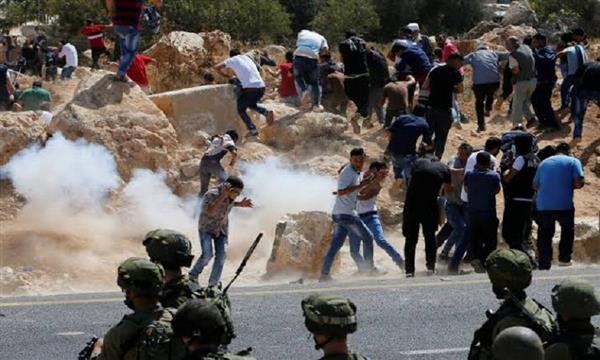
x: 249, y: 98
x: 357, y: 90
x: 306, y: 74
x: 457, y: 218
x: 427, y: 218
x: 208, y: 169
x: 542, y: 104
x: 403, y: 165
x: 521, y: 105
x: 129, y: 42
x: 579, y: 108
x: 372, y: 222
x: 220, y: 254
x: 484, y: 99
x: 375, y: 95
x: 344, y: 225
x: 67, y: 72
x: 483, y: 231
x: 516, y: 223
x: 440, y: 121
x: 565, y: 91
x: 546, y: 220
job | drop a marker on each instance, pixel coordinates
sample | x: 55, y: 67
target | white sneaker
x: 565, y: 264
x: 318, y: 108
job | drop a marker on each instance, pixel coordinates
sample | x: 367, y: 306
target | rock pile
x: 18, y: 131
x: 520, y: 13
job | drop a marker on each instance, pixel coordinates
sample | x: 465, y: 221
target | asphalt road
x: 420, y: 318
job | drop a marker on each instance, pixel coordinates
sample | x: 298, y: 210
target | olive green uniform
x: 579, y: 340
x: 218, y: 356
x: 344, y: 357
x: 178, y: 291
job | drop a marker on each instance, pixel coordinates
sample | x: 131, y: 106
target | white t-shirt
x: 309, y: 43
x: 246, y: 71
x: 70, y: 53
x: 519, y: 163
x: 471, y: 162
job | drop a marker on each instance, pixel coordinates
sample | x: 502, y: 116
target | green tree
x: 69, y: 16
x: 303, y: 11
x: 393, y: 15
x: 453, y: 17
x: 341, y: 15
x: 584, y: 12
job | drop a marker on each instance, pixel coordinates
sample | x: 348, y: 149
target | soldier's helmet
x: 201, y: 320
x: 169, y: 248
x: 509, y: 269
x: 576, y: 299
x: 141, y: 276
x: 329, y: 315
x: 518, y: 343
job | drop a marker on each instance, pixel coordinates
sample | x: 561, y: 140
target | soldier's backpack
x: 155, y: 339
x: 580, y: 348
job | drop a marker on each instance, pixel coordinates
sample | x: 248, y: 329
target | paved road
x: 421, y: 318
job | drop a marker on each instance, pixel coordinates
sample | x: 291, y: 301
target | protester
x: 442, y: 83
x: 306, y: 70
x: 455, y: 207
x: 486, y: 79
x: 213, y: 226
x: 353, y: 51
x: 69, y: 52
x: 138, y: 74
x: 345, y: 219
x: 31, y: 99
x: 208, y: 78
x: 421, y: 40
x: 409, y: 59
x: 482, y: 185
x: 522, y: 66
x: 95, y: 37
x: 379, y: 76
x: 210, y: 165
x: 331, y: 77
x: 6, y: 88
x: 574, y: 56
x: 50, y: 65
x: 545, y: 65
x: 437, y: 57
x: 428, y: 175
x: 396, y: 95
x: 368, y: 213
x: 555, y: 181
x: 287, y: 87
x: 253, y: 88
x: 586, y: 87
x: 447, y: 46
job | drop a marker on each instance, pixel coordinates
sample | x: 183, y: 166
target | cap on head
x: 169, y: 248
x: 401, y: 44
x: 518, y: 343
x: 414, y: 27
x: 508, y: 268
x: 201, y: 320
x: 576, y: 299
x: 141, y: 276
x: 329, y: 315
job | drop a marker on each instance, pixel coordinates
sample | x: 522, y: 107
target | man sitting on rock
x: 33, y: 98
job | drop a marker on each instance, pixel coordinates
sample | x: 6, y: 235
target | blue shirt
x: 555, y: 177
x: 413, y: 59
x: 346, y: 204
x: 545, y: 64
x: 406, y: 130
x: 482, y: 186
x: 485, y: 65
x: 576, y: 57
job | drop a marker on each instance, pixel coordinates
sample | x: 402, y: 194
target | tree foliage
x: 340, y: 15
x: 393, y: 15
x: 303, y: 11
x: 584, y: 12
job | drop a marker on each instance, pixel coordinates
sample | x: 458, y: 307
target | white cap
x: 402, y: 42
x: 414, y: 27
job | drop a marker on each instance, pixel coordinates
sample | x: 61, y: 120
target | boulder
x: 325, y: 164
x: 180, y: 61
x: 276, y: 52
x: 466, y: 46
x: 480, y: 29
x: 301, y: 241
x: 520, y: 13
x: 217, y: 44
x: 122, y: 118
x: 586, y: 247
x: 498, y: 36
x: 18, y: 131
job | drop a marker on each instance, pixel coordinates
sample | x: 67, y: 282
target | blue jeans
x: 565, y: 91
x: 344, y: 225
x: 67, y: 72
x: 402, y: 165
x: 129, y: 42
x: 579, y: 107
x: 306, y: 74
x: 373, y: 223
x: 208, y: 169
x: 249, y: 99
x: 457, y: 218
x: 219, y: 253
x: 462, y: 246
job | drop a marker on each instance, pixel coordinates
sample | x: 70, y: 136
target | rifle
x: 86, y: 353
x: 538, y: 324
x: 244, y: 262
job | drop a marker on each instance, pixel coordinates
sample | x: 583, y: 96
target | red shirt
x: 137, y: 70
x: 94, y: 35
x: 448, y: 49
x: 287, y: 86
x: 128, y: 12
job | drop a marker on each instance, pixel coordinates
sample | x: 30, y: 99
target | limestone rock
x: 498, y: 36
x: 180, y: 57
x: 276, y: 52
x: 301, y: 241
x: 325, y: 164
x: 254, y: 151
x: 480, y: 29
x: 123, y: 119
x: 217, y: 44
x: 520, y: 13
x: 17, y: 131
x: 587, y: 240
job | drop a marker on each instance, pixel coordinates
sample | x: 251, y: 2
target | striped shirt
x: 128, y: 12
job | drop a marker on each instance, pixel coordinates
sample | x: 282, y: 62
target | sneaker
x: 430, y: 272
x: 376, y: 272
x: 575, y: 141
x: 318, y: 108
x: 480, y: 128
x: 443, y: 258
x: 565, y: 264
x: 325, y: 278
x: 270, y: 117
x: 401, y: 264
x: 457, y: 124
x: 410, y: 275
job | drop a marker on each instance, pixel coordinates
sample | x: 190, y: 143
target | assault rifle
x: 244, y: 262
x: 86, y: 353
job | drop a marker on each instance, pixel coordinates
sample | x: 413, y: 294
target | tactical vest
x: 177, y: 293
x: 4, y: 95
x: 524, y: 57
x: 521, y: 184
x: 580, y: 346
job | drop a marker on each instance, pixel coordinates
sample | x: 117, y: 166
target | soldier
x: 172, y: 251
x: 330, y: 319
x: 510, y: 274
x: 518, y: 343
x: 146, y: 333
x: 204, y: 330
x: 575, y: 302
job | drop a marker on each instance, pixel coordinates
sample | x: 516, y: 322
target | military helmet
x: 202, y: 320
x: 518, y: 343
x: 329, y: 315
x: 169, y: 248
x: 577, y: 299
x: 509, y: 269
x: 141, y: 275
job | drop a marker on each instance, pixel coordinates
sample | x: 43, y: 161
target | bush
x: 302, y: 11
x: 394, y: 15
x: 584, y: 12
x: 339, y: 15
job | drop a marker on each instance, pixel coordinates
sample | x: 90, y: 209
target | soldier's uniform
x: 510, y: 272
x: 330, y: 316
x: 575, y: 302
x: 178, y: 291
x: 518, y: 343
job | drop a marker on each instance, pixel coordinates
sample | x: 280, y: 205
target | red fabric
x: 137, y: 70
x: 91, y: 30
x: 448, y: 49
x: 128, y: 12
x: 287, y: 86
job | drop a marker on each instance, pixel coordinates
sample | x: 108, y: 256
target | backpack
x: 151, y: 19
x: 353, y: 51
x: 155, y: 339
x: 379, y: 71
x: 581, y: 348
